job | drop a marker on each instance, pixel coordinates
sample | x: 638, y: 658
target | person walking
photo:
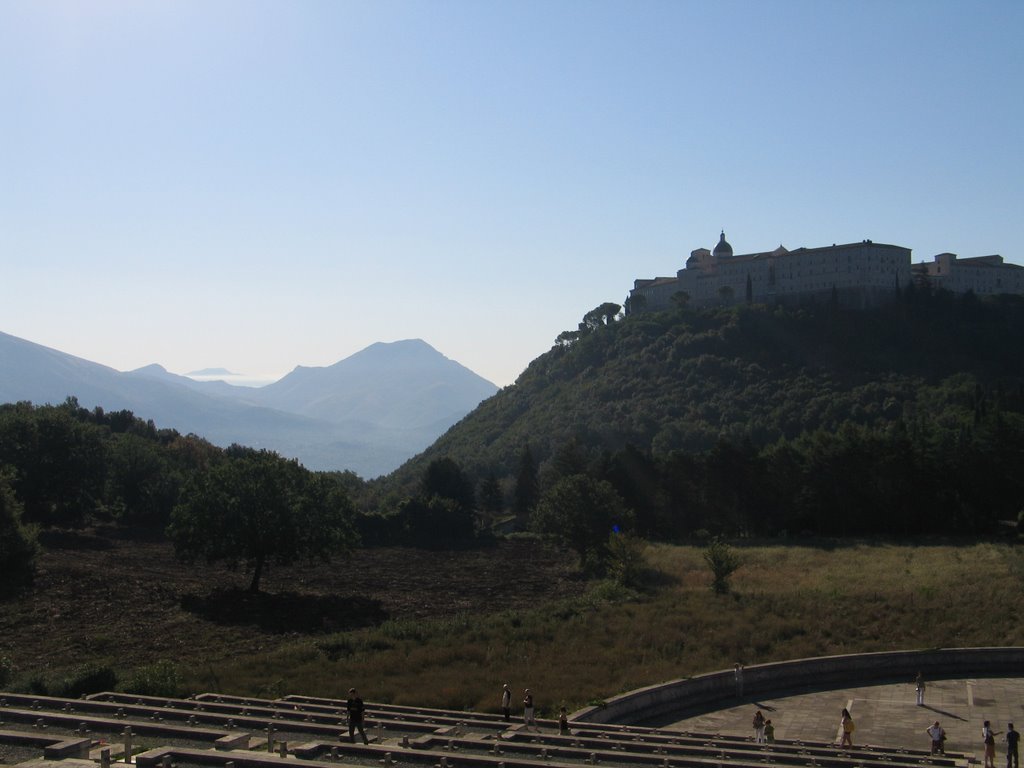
x: 506, y: 702
x: 528, y: 718
x: 847, y: 724
x: 356, y: 712
x: 919, y: 686
x: 1012, y: 739
x: 988, y: 737
x: 938, y: 737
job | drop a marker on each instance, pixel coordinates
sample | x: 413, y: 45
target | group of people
x: 357, y: 713
x: 528, y: 710
x: 1012, y: 739
x: 764, y: 731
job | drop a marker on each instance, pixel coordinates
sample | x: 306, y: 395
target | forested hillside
x: 904, y: 418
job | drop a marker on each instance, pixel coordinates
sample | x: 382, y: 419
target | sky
x: 261, y: 185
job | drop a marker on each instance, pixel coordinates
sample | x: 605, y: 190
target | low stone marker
x: 69, y: 748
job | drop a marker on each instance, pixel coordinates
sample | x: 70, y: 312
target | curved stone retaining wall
x: 718, y: 690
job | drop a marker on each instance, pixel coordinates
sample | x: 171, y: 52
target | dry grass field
x: 447, y: 628
x: 787, y: 602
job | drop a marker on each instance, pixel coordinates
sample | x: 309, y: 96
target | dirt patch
x: 99, y: 599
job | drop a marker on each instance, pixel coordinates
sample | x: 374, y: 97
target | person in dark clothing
x: 1012, y: 740
x: 356, y: 711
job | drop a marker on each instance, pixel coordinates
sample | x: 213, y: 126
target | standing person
x: 528, y: 718
x: 356, y: 711
x: 506, y: 702
x: 919, y: 686
x: 846, y: 723
x: 769, y: 731
x: 737, y: 673
x: 988, y: 736
x: 563, y: 722
x: 758, y: 727
x: 938, y: 736
x: 1012, y: 738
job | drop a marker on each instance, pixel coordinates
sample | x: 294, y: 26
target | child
x: 769, y: 732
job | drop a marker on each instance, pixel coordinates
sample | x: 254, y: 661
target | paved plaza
x: 885, y: 715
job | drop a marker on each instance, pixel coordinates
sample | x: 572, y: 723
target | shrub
x: 159, y: 679
x: 86, y: 679
x: 626, y: 561
x: 723, y: 562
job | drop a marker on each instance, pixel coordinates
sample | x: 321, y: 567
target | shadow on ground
x: 286, y: 611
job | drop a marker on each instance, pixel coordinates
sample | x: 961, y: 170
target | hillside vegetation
x: 868, y: 430
x: 897, y: 419
x: 446, y: 629
x: 787, y: 602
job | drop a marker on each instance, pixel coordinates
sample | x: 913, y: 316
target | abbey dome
x: 723, y: 248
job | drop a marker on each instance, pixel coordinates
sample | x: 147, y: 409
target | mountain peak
x: 154, y: 369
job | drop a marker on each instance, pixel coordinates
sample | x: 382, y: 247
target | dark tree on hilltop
x: 604, y: 314
x: 256, y: 509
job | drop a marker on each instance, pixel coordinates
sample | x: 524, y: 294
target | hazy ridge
x: 367, y: 413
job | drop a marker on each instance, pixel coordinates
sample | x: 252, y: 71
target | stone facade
x: 855, y: 274
x: 984, y: 275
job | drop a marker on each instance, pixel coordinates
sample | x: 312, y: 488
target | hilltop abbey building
x: 855, y: 274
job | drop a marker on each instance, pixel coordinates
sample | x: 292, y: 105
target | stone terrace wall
x: 717, y: 690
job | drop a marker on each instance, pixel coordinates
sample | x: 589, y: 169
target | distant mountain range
x: 367, y: 413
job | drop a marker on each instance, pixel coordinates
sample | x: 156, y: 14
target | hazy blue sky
x: 260, y: 185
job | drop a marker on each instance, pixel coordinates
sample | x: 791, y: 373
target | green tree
x: 636, y: 302
x: 604, y: 314
x: 445, y: 478
x: 723, y: 563
x: 582, y: 513
x: 567, y: 338
x: 490, y: 496
x: 680, y: 299
x: 142, y: 483
x: 18, y: 546
x: 258, y: 508
x: 569, y: 458
x: 58, y: 458
x: 434, y: 521
x: 627, y: 562
x: 527, y: 488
